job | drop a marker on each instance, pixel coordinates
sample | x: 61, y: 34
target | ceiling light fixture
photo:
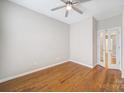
x: 68, y: 7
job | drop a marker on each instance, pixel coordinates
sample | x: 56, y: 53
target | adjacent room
x: 61, y: 45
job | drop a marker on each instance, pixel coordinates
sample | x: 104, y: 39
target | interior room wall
x: 29, y: 40
x: 82, y: 42
x: 123, y: 43
x: 111, y: 22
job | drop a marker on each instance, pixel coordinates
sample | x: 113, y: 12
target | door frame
x: 98, y: 45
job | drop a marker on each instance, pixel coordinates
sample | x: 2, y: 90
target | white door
x: 109, y: 48
x: 101, y: 47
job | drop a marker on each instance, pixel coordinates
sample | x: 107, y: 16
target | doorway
x: 109, y: 48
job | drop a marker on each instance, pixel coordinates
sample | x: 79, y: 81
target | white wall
x: 29, y: 40
x: 123, y: 43
x: 81, y: 42
x: 111, y: 22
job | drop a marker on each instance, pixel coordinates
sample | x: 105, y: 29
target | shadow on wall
x: 1, y: 38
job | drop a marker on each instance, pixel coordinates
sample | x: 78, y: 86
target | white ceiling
x: 100, y: 9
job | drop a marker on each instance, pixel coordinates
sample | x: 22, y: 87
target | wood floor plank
x: 67, y: 77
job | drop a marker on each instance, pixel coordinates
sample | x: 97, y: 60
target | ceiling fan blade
x: 83, y: 1
x: 66, y: 14
x: 58, y: 8
x: 74, y: 3
x: 77, y: 10
x: 64, y: 1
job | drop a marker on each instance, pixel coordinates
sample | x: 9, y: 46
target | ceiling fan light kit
x: 69, y: 5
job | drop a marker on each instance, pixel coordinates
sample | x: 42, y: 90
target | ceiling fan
x: 69, y: 5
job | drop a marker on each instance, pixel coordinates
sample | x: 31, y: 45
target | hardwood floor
x: 68, y: 77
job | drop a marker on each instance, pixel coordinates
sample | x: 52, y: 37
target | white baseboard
x: 29, y: 72
x: 35, y: 70
x: 81, y: 63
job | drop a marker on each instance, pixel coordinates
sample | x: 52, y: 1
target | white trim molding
x: 29, y: 72
x: 38, y: 69
x: 81, y: 63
